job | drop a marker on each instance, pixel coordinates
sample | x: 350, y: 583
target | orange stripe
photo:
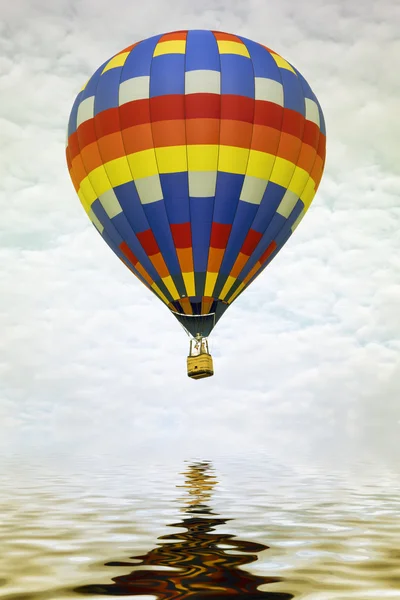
x: 159, y: 264
x: 137, y: 138
x: 239, y: 264
x: 215, y: 257
x: 289, y: 147
x: 221, y: 35
x: 185, y: 258
x: 173, y: 36
x: 79, y: 169
x: 91, y: 157
x: 202, y: 131
x: 317, y: 170
x: 187, y: 307
x: 265, y: 139
x: 129, y: 48
x: 306, y: 158
x: 111, y: 146
x: 252, y: 272
x: 169, y: 133
x: 74, y: 180
x: 144, y: 273
x: 206, y: 304
x: 236, y: 133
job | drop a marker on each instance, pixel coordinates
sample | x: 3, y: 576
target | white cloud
x: 308, y: 359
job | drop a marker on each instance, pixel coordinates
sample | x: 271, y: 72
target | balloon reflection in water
x: 197, y: 563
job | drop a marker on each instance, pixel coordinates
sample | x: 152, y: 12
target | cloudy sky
x: 307, y: 362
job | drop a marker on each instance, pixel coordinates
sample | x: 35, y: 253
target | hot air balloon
x: 196, y: 154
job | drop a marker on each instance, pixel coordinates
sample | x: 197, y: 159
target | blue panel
x: 125, y: 230
x: 91, y: 86
x: 307, y: 91
x: 139, y: 60
x: 270, y: 201
x: 107, y: 94
x: 237, y: 76
x: 124, y: 259
x: 175, y: 190
x: 227, y: 194
x: 133, y: 209
x: 272, y: 231
x: 293, y: 97
x: 106, y: 222
x: 167, y: 75
x: 159, y: 225
x: 281, y: 239
x: 175, y: 184
x: 202, y: 51
x: 243, y: 219
x: 299, y: 206
x: 321, y: 120
x: 74, y: 115
x: 263, y: 63
x: 201, y: 213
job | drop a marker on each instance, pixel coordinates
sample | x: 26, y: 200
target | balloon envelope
x: 196, y: 154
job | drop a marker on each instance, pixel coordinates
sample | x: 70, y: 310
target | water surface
x: 197, y: 529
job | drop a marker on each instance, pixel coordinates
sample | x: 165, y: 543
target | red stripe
x: 237, y: 108
x: 195, y: 106
x: 321, y: 146
x: 107, y: 122
x: 219, y: 235
x: 268, y: 252
x: 87, y: 133
x: 203, y: 106
x: 311, y: 134
x: 293, y: 123
x: 148, y: 242
x: 73, y: 145
x: 134, y: 113
x: 181, y: 233
x: 251, y: 241
x: 167, y: 108
x: 126, y: 251
x: 268, y: 113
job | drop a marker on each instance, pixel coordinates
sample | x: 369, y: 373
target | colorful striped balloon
x: 196, y: 154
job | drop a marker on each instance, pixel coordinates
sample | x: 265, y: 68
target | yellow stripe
x: 233, y: 159
x: 308, y: 193
x: 282, y: 63
x: 188, y: 279
x: 170, y: 285
x: 99, y: 180
x: 298, y: 181
x: 171, y: 159
x: 159, y: 293
x: 84, y: 202
x: 170, y: 47
x: 236, y: 293
x: 282, y: 172
x: 229, y: 47
x: 228, y: 284
x: 118, y: 171
x: 116, y: 61
x: 87, y: 190
x: 202, y: 157
x: 211, y: 279
x: 260, y: 164
x: 84, y: 85
x: 143, y: 164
